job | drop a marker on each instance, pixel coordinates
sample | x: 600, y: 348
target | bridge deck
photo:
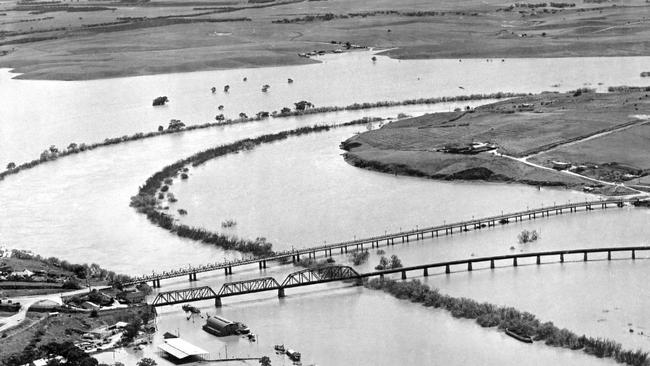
x: 344, y: 273
x: 446, y: 229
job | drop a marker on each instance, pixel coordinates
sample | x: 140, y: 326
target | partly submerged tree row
x: 490, y: 315
x: 392, y: 103
x: 147, y: 201
x: 54, y: 153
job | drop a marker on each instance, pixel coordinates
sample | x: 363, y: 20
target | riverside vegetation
x: 53, y: 153
x: 490, y: 315
x: 146, y: 200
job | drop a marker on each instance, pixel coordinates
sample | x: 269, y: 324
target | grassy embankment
x: 589, y: 130
x: 75, y: 148
x: 490, y: 315
x: 152, y: 194
x: 52, y: 275
x: 79, y: 41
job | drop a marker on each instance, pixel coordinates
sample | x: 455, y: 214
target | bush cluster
x: 490, y: 315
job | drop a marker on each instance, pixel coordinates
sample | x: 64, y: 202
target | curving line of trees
x: 491, y: 315
x: 54, y: 153
x: 146, y: 201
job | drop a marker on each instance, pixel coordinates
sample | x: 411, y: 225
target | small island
x: 595, y: 142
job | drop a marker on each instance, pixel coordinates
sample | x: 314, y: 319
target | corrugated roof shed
x: 181, y: 349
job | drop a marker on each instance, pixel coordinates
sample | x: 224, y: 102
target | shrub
x: 359, y: 256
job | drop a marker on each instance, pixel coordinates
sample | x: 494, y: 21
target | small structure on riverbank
x: 468, y: 149
x: 560, y: 165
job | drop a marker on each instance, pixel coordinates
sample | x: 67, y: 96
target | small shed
x: 180, y: 349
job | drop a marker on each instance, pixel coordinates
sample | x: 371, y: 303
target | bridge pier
x: 426, y: 272
x: 281, y: 292
x: 469, y: 266
x: 381, y: 276
x: 514, y: 262
x: 358, y: 281
x: 260, y: 264
x: 341, y: 250
x: 539, y: 260
x: 447, y: 270
x: 403, y: 275
x: 609, y: 255
x: 217, y: 302
x: 633, y: 254
x: 561, y: 257
x: 492, y: 263
x: 585, y: 257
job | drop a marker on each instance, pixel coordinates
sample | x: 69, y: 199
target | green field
x: 605, y: 135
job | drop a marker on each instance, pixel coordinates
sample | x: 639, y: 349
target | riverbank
x: 576, y: 140
x: 23, y: 273
x: 191, y: 38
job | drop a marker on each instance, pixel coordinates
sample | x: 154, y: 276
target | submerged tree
x: 303, y: 105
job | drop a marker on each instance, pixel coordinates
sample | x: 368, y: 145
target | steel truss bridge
x: 314, y: 276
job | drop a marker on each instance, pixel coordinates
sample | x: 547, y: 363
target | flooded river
x: 299, y: 192
x: 36, y: 114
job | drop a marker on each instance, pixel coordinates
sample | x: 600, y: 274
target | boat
x: 279, y: 348
x: 519, y: 337
x: 242, y: 328
x: 293, y: 355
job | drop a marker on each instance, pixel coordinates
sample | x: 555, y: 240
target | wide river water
x: 299, y: 192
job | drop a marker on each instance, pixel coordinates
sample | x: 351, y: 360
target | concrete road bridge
x: 309, y: 276
x: 387, y: 239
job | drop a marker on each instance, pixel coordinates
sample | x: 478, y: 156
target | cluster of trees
x: 331, y: 16
x: 359, y: 256
x: 385, y: 263
x: 175, y: 124
x: 160, y: 101
x: 74, y: 148
x: 146, y: 200
x: 57, y: 352
x: 527, y: 236
x: 313, y: 263
x: 490, y: 315
x: 82, y: 271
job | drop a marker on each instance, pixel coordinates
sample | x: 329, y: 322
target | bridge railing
x: 397, y: 235
x: 335, y: 273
